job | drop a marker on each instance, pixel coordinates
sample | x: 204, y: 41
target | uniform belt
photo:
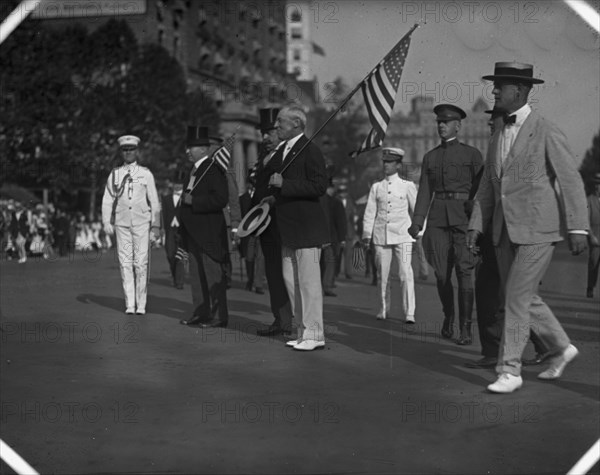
x: 452, y: 195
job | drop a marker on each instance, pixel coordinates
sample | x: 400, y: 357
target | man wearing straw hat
x: 299, y: 181
x: 204, y: 230
x: 131, y: 210
x: 528, y: 159
x: 387, y: 218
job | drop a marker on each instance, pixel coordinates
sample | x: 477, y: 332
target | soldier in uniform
x: 270, y: 240
x: 131, y: 210
x: 448, y: 174
x: 386, y: 221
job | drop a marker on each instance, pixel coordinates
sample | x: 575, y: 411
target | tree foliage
x: 68, y: 93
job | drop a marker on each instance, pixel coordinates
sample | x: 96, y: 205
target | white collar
x: 199, y: 162
x: 291, y: 142
x: 521, y: 114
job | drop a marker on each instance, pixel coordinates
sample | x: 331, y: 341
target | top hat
x: 268, y: 116
x: 448, y: 112
x: 253, y: 219
x: 197, y: 136
x: 128, y: 141
x: 392, y: 154
x: 516, y: 72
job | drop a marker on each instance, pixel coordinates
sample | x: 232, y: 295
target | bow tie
x: 509, y: 119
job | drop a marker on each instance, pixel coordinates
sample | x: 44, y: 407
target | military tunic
x: 137, y: 211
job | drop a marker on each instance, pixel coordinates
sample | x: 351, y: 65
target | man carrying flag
x: 203, y: 228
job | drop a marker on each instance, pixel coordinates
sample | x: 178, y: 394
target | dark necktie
x: 509, y: 119
x: 277, y: 158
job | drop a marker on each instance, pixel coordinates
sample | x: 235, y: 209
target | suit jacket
x: 169, y: 212
x: 203, y: 221
x: 452, y: 167
x: 537, y: 193
x: 388, y: 213
x: 300, y: 217
x: 245, y: 204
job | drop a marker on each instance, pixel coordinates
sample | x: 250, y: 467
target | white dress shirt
x: 510, y: 131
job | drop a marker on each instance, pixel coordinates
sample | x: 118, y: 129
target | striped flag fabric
x: 379, y: 90
x: 222, y: 156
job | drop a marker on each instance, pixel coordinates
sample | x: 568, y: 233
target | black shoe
x: 249, y: 286
x: 272, y: 331
x: 259, y: 290
x: 448, y: 327
x: 195, y: 320
x: 589, y: 293
x: 179, y: 286
x: 485, y: 362
x: 215, y: 324
x: 329, y: 293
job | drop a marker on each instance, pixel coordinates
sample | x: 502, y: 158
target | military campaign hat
x: 392, y: 154
x: 128, y: 141
x: 448, y: 112
x: 268, y: 116
x: 517, y: 72
x: 198, y: 136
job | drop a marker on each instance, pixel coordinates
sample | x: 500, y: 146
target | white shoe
x: 130, y: 310
x: 409, y: 320
x: 506, y: 383
x: 141, y: 311
x: 309, y: 345
x: 292, y: 342
x: 381, y: 316
x: 559, y: 363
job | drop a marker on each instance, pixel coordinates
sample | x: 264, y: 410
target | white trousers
x: 302, y: 276
x: 133, y: 243
x: 383, y: 260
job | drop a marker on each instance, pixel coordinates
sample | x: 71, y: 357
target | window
x: 296, y: 16
x: 297, y: 54
x: 297, y: 33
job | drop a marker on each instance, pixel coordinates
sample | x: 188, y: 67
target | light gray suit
x: 532, y: 200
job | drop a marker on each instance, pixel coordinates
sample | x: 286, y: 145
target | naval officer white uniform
x: 387, y: 217
x: 131, y: 209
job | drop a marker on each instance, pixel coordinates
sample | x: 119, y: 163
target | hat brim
x: 515, y: 78
x: 264, y: 226
x: 253, y: 219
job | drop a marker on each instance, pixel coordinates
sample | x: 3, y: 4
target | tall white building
x: 299, y: 43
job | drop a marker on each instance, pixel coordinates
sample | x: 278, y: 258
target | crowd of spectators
x: 35, y: 230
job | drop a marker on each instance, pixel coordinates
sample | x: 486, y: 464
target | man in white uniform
x: 387, y: 217
x: 131, y: 209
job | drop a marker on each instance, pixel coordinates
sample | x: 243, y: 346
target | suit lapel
x: 294, y: 150
x: 523, y: 139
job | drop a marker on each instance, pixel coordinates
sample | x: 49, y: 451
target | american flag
x: 223, y: 155
x: 379, y: 92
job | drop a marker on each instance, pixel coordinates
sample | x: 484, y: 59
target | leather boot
x: 446, y: 293
x: 465, y: 311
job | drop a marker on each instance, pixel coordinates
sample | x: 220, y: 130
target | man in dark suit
x: 300, y: 181
x: 250, y: 249
x: 527, y: 159
x: 336, y: 217
x: 270, y: 240
x: 448, y: 174
x: 204, y: 231
x: 170, y: 211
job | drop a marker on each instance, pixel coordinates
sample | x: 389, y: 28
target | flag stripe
x: 379, y: 93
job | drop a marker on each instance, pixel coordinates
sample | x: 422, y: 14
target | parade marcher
x: 204, y: 231
x: 527, y: 218
x: 490, y: 310
x: 270, y: 239
x: 386, y: 221
x: 250, y: 249
x: 170, y: 211
x: 336, y: 217
x: 131, y: 211
x: 448, y: 174
x: 302, y: 223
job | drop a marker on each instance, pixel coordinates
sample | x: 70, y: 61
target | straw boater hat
x: 257, y: 219
x: 517, y: 72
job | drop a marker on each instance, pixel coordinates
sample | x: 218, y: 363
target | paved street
x: 86, y: 389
